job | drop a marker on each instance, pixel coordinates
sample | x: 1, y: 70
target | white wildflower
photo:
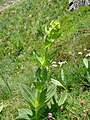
x: 88, y: 55
x: 54, y: 65
x: 80, y: 53
x: 54, y: 62
x: 85, y: 49
x: 61, y: 63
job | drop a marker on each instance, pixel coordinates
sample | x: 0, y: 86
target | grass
x: 22, y: 27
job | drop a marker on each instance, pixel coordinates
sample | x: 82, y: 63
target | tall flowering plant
x: 44, y: 88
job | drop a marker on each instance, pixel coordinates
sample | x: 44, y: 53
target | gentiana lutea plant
x: 44, y: 88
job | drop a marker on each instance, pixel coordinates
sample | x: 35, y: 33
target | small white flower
x: 54, y: 65
x: 80, y: 53
x: 61, y: 63
x: 54, y: 62
x: 85, y: 49
x: 88, y: 55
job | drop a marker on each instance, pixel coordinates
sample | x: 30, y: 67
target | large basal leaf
x: 85, y: 61
x: 51, y: 91
x: 1, y: 106
x: 28, y: 94
x: 24, y: 114
x: 56, y: 82
x: 63, y: 98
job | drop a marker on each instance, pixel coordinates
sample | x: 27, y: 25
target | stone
x: 76, y: 4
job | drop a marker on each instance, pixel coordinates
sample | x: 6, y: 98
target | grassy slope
x: 21, y: 28
x: 22, y: 25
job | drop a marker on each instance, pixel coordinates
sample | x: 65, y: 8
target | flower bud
x: 49, y: 115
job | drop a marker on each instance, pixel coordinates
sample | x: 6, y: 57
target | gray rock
x: 75, y: 4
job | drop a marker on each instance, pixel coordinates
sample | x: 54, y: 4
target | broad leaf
x: 40, y: 59
x: 48, y: 43
x: 56, y: 82
x: 85, y: 61
x: 1, y: 106
x: 42, y: 99
x: 51, y: 91
x: 28, y: 94
x: 62, y: 98
x: 52, y: 56
x: 24, y: 114
x: 44, y: 73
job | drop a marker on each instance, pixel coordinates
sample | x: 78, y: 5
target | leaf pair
x: 64, y: 95
x: 35, y: 97
x: 44, y: 60
x: 39, y: 58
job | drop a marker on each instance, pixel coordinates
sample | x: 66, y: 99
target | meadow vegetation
x: 44, y: 61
